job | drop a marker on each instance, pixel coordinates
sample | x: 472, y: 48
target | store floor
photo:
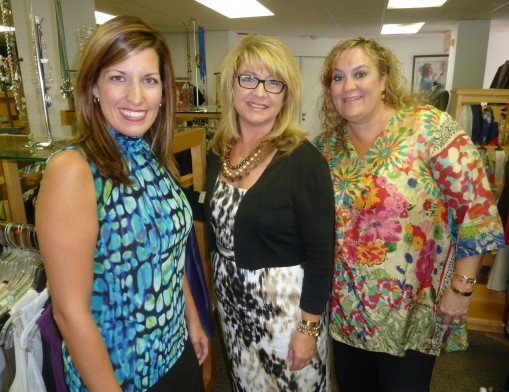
x: 484, y: 364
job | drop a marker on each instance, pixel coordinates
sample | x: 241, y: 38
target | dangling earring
x: 383, y: 95
x: 96, y: 99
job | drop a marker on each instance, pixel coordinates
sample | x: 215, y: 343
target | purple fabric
x: 198, y: 285
x: 51, y: 334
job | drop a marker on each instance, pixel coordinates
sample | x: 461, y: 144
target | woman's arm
x: 314, y: 205
x: 453, y: 305
x: 315, y: 210
x: 67, y: 229
x: 196, y: 333
x: 458, y: 171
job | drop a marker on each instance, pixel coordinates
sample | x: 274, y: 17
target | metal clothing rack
x: 18, y: 235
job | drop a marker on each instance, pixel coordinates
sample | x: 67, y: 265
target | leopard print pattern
x: 259, y: 310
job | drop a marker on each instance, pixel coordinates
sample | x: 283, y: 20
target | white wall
x: 403, y: 48
x: 498, y: 54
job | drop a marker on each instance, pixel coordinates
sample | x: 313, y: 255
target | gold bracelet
x: 459, y: 292
x: 309, y: 330
x: 466, y: 279
x: 308, y: 323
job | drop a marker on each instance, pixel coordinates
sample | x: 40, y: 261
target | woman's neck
x: 363, y: 134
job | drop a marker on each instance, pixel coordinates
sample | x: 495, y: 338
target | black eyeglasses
x: 251, y: 82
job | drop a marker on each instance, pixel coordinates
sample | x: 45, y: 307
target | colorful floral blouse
x: 416, y: 202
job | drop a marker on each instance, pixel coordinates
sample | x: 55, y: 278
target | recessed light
x: 394, y: 4
x: 237, y: 8
x: 404, y: 28
x: 101, y: 17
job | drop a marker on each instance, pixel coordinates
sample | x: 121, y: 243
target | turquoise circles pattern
x: 137, y: 297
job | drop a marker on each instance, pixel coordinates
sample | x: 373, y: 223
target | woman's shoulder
x: 305, y: 150
x: 307, y: 158
x: 68, y: 161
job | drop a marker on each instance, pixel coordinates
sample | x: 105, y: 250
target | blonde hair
x: 266, y: 51
x: 396, y: 94
x: 111, y: 43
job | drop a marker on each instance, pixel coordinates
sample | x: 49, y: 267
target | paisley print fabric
x: 137, y: 299
x: 259, y: 310
x: 416, y: 202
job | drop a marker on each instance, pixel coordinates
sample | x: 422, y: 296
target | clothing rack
x: 23, y: 299
x: 21, y: 235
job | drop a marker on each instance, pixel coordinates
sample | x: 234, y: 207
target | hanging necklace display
x: 201, y: 49
x: 66, y: 88
x: 188, y: 62
x: 198, y: 61
x: 46, y: 99
x: 11, y: 75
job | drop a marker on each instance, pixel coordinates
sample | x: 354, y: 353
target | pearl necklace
x: 244, y: 167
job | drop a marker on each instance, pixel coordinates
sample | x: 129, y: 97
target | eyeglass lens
x: 271, y: 85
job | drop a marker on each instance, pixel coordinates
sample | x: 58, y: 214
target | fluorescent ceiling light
x: 237, y: 8
x: 408, y: 28
x: 393, y: 4
x: 101, y: 17
x: 6, y: 28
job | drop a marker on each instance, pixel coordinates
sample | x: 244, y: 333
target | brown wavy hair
x: 396, y: 93
x: 111, y: 43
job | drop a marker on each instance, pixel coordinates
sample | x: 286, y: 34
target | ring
x: 456, y: 321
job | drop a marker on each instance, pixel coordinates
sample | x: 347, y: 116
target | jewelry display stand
x: 198, y: 63
x: 46, y: 99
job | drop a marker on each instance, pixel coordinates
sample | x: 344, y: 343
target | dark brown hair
x: 111, y: 43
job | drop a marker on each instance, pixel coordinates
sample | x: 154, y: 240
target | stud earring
x: 383, y: 95
x: 96, y: 99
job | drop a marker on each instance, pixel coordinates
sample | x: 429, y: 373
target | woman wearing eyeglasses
x: 270, y: 205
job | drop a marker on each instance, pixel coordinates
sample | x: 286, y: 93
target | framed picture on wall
x: 428, y: 72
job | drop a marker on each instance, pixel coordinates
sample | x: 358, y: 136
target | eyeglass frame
x: 262, y: 81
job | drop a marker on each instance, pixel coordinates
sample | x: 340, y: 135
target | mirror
x: 13, y: 114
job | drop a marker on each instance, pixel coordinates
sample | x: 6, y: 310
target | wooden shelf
x: 461, y: 96
x: 486, y: 311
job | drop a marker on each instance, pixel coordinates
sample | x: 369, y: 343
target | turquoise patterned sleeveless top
x: 137, y: 298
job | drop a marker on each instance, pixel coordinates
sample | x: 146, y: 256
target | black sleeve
x: 315, y: 213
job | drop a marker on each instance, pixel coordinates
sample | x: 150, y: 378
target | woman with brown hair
x: 113, y: 224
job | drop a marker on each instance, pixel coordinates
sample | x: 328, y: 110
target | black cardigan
x: 286, y: 218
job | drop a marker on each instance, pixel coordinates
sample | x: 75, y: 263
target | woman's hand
x: 301, y: 350
x: 194, y: 328
x: 453, y: 308
x: 199, y: 340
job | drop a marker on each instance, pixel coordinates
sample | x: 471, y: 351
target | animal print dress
x: 259, y: 310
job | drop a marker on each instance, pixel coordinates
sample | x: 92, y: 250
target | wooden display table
x: 13, y: 152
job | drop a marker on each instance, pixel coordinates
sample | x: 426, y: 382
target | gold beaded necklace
x: 245, y: 165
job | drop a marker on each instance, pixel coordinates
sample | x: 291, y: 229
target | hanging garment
x: 53, y: 375
x: 28, y: 347
x: 198, y: 284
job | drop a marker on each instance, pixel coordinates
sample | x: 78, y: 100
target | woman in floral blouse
x: 414, y: 215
